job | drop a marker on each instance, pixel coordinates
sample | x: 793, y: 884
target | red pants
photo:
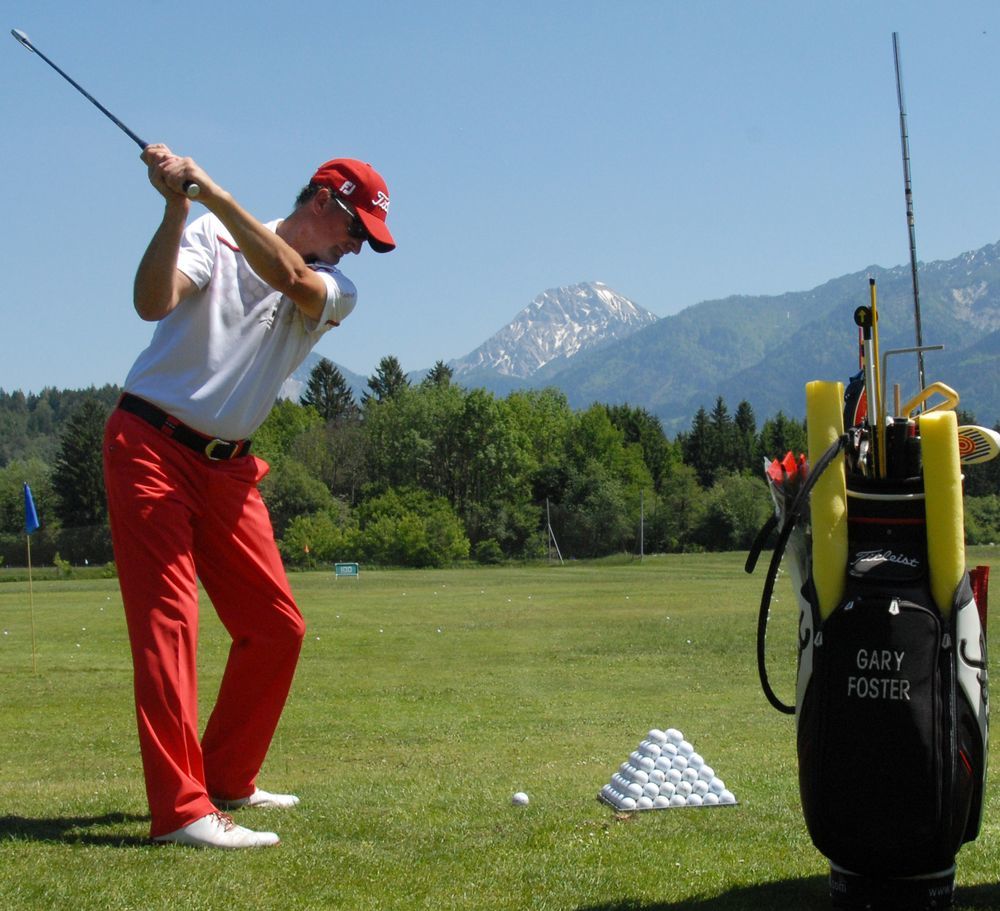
x: 176, y: 517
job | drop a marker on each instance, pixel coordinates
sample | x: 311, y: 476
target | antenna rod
x: 904, y: 139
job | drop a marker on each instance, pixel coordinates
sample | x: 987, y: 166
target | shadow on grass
x: 808, y: 894
x: 71, y: 829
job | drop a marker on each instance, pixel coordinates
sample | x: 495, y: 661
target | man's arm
x: 159, y: 285
x: 277, y: 263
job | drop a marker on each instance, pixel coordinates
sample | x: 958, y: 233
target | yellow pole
x: 31, y: 607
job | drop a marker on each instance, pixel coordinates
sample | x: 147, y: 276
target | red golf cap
x: 363, y: 187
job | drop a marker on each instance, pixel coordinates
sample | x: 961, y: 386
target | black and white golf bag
x: 892, y: 699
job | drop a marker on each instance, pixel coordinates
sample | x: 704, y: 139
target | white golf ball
x: 639, y: 776
x: 674, y: 736
x: 634, y: 757
x: 700, y: 787
x: 520, y: 799
x: 717, y: 786
x: 683, y: 788
x: 644, y: 803
x: 657, y: 776
x: 694, y: 800
x: 689, y: 774
x: 667, y: 789
x: 678, y: 801
x: 649, y: 749
x: 657, y: 736
x: 706, y: 772
x: 647, y: 764
x: 674, y: 776
x: 627, y: 803
x: 651, y: 790
x: 661, y: 801
x: 685, y: 748
x: 634, y: 790
x: 663, y: 763
x: 624, y: 767
x: 727, y: 797
x: 710, y: 800
x: 695, y: 760
x: 680, y: 763
x: 669, y: 750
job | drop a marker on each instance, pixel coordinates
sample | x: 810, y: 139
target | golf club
x: 191, y: 189
x: 977, y: 444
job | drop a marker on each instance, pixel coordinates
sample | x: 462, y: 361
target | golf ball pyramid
x: 664, y: 771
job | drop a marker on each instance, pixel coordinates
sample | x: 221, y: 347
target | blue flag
x: 31, y: 522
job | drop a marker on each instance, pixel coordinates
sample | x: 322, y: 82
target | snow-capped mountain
x: 556, y: 325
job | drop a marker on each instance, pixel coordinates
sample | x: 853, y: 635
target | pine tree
x: 327, y: 391
x: 439, y: 375
x: 387, y: 381
x: 78, y: 477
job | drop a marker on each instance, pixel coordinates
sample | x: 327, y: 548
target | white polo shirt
x: 218, y: 360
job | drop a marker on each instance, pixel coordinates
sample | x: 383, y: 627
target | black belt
x: 214, y: 449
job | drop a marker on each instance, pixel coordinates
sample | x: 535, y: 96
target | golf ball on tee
x: 520, y: 799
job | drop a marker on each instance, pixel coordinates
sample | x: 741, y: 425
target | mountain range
x: 598, y: 346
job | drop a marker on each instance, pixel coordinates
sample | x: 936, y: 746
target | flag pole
x: 31, y: 607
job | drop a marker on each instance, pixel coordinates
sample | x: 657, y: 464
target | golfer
x: 238, y: 305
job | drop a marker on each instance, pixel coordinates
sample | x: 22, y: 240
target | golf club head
x: 22, y: 39
x: 977, y: 444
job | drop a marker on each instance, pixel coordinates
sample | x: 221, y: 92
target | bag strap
x: 791, y: 518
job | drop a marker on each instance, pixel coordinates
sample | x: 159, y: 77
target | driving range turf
x: 423, y: 701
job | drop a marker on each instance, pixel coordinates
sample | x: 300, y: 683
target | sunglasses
x: 355, y: 229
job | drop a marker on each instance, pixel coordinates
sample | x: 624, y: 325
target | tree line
x: 432, y: 473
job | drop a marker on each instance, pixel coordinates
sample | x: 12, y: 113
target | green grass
x: 423, y: 700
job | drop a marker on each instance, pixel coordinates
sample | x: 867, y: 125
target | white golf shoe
x: 263, y: 800
x: 217, y: 830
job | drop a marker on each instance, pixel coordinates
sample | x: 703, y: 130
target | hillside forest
x: 432, y: 473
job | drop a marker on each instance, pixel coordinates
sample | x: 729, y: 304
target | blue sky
x: 678, y: 151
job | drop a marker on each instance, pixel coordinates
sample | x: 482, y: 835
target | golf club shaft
x: 908, y: 190
x: 191, y: 189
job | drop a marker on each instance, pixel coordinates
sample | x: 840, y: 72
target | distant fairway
x: 424, y: 699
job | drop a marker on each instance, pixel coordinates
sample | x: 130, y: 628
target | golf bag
x: 891, y: 696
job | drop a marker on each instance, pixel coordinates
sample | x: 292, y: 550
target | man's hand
x: 170, y: 174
